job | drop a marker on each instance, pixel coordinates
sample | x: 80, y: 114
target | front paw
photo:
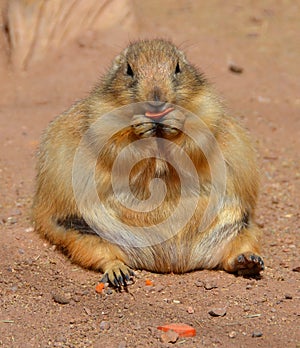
x: 172, y: 123
x: 142, y: 126
x: 248, y: 264
x: 117, y: 274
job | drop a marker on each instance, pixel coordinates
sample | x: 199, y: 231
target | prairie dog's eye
x: 177, y: 69
x: 129, y: 70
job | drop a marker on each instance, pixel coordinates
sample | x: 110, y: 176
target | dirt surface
x: 48, y: 302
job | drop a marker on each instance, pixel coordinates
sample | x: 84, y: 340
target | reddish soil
x: 261, y: 37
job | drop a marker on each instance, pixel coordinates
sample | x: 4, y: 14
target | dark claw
x: 104, y: 279
x: 241, y: 258
x: 116, y: 282
x: 261, y: 262
x: 131, y: 272
x: 121, y: 280
x: 125, y: 278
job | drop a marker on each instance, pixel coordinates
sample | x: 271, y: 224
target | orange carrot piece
x: 148, y: 282
x: 99, y: 288
x: 183, y: 330
x: 158, y: 114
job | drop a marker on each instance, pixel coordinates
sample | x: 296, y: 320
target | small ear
x: 182, y: 56
x: 118, y: 61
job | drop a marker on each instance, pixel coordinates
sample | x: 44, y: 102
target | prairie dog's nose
x: 156, y: 103
x: 156, y: 95
x: 156, y: 106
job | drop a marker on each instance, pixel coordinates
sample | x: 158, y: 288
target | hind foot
x: 242, y: 253
x: 248, y: 264
x: 117, y: 274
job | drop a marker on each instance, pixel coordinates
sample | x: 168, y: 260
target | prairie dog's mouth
x: 156, y: 106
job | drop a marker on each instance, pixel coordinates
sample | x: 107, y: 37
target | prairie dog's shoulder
x: 72, y: 123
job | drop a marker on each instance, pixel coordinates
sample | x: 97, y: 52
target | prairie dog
x: 174, y: 122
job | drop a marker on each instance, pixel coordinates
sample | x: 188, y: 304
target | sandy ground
x: 46, y: 301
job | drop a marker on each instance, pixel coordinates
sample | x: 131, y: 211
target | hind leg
x: 91, y: 251
x: 242, y: 254
x: 86, y: 249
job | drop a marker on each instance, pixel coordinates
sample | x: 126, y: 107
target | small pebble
x: 108, y: 291
x: 16, y: 212
x: 159, y: 288
x: 176, y: 301
x: 29, y: 229
x: 190, y: 310
x: 261, y: 99
x: 12, y: 220
x: 217, y: 312
x: 210, y: 286
x: 14, y: 288
x: 296, y: 269
x: 288, y: 297
x: 87, y: 310
x: 257, y: 334
x: 104, y: 325
x: 60, y: 298
x: 260, y: 224
x: 169, y: 336
x: 167, y: 300
x: 235, y: 68
x: 199, y: 284
x: 137, y: 326
x: 232, y: 334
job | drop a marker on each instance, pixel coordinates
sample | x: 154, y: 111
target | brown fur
x: 231, y: 241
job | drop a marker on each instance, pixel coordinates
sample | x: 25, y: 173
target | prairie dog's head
x: 151, y: 70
